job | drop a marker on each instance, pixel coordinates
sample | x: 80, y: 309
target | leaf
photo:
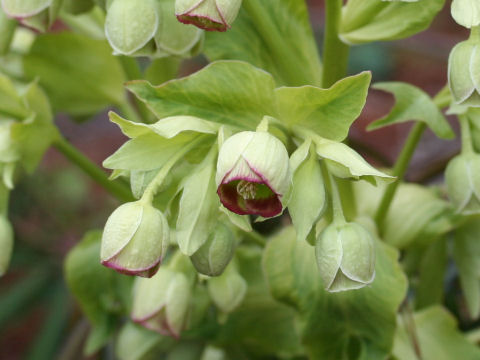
x: 248, y: 41
x: 412, y: 103
x: 327, y: 112
x: 146, y: 152
x: 276, y: 333
x: 332, y: 321
x: 438, y: 338
x: 79, y: 74
x: 96, y: 288
x: 225, y: 92
x: 376, y: 20
x: 411, y: 214
x: 432, y: 270
x: 308, y: 198
x: 199, y: 206
x: 344, y: 162
x: 466, y: 253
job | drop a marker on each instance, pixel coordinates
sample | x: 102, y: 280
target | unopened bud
x: 345, y: 257
x: 135, y: 239
x: 161, y: 303
x: 39, y: 14
x: 227, y: 290
x: 213, y: 257
x: 462, y: 177
x: 211, y: 15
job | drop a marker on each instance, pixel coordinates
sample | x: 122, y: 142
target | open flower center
x: 247, y: 189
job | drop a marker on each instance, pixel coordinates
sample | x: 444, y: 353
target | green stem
x: 284, y: 57
x: 152, y: 188
x: 335, y: 52
x: 133, y: 72
x: 399, y: 170
x: 467, y: 145
x: 403, y: 161
x: 338, y: 216
x: 255, y: 237
x: 120, y: 191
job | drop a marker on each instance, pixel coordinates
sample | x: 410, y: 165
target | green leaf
x: 137, y: 343
x: 438, y: 338
x: 276, y: 333
x: 327, y: 112
x: 226, y: 92
x: 413, y: 210
x: 96, y: 288
x: 248, y: 41
x: 432, y: 270
x: 308, y: 198
x: 79, y: 74
x: 466, y: 253
x: 412, y: 103
x: 377, y: 20
x: 363, y: 319
x: 146, y: 152
x: 199, y: 206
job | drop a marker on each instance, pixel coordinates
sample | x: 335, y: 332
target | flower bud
x: 462, y: 177
x: 463, y: 73
x: 345, y: 257
x: 39, y: 14
x: 161, y: 303
x: 135, y: 239
x: 211, y: 15
x: 213, y: 257
x: 149, y: 28
x: 253, y: 174
x: 6, y: 244
x: 228, y: 290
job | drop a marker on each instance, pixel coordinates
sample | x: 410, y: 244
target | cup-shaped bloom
x: 38, y: 14
x: 149, y: 28
x: 210, y: 15
x: 464, y: 73
x: 161, y: 303
x: 6, y: 244
x: 253, y: 174
x: 345, y: 257
x: 135, y: 239
x: 462, y: 177
x: 213, y: 256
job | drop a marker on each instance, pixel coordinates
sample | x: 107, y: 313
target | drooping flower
x: 211, y: 15
x: 135, y: 239
x: 253, y: 174
x: 345, y: 257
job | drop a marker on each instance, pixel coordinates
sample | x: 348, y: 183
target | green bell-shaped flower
x: 38, y: 14
x: 464, y: 73
x: 210, y: 15
x: 135, y: 239
x: 466, y: 12
x: 213, y: 257
x: 253, y: 174
x: 345, y: 256
x: 161, y: 303
x: 462, y: 177
x: 149, y: 28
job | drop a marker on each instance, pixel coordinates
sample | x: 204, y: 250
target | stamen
x: 247, y: 190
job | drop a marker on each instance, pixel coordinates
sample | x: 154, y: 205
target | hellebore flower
x: 149, y: 28
x: 135, y: 239
x: 464, y: 73
x: 161, y: 303
x: 39, y: 14
x: 253, y: 174
x: 345, y: 257
x: 213, y: 257
x: 462, y: 177
x: 210, y: 15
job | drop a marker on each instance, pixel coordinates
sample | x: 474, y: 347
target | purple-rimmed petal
x: 203, y: 22
x: 147, y: 272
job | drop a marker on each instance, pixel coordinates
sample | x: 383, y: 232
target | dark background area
x: 52, y: 209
